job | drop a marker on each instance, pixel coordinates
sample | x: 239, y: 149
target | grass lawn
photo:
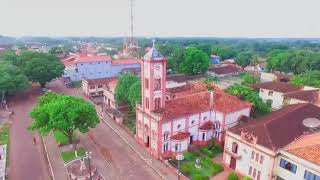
x: 4, y: 139
x: 208, y: 167
x: 69, y: 155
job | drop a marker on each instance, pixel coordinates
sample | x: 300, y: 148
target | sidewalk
x: 160, y: 168
x: 55, y: 161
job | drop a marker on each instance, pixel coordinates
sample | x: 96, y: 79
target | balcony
x: 232, y: 154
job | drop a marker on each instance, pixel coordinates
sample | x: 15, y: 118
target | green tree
x: 42, y: 68
x: 249, y: 80
x: 309, y: 78
x: 122, y: 89
x: 9, y: 56
x: 134, y: 94
x: 56, y: 50
x: 12, y: 79
x: 232, y: 176
x: 176, y: 59
x: 63, y: 113
x: 248, y: 94
x: 243, y: 59
x: 224, y: 52
x: 209, y: 80
x: 195, y: 62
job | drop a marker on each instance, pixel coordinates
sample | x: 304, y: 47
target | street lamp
x: 179, y: 158
x: 88, y: 154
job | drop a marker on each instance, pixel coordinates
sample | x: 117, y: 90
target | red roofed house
x: 166, y: 126
x: 264, y: 149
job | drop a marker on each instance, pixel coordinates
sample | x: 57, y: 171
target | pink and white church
x: 167, y: 124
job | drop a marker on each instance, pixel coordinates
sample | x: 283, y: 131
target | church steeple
x: 153, y: 80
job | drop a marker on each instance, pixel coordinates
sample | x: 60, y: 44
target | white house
x: 253, y: 147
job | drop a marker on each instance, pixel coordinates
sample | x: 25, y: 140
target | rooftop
x: 269, y: 129
x: 278, y: 87
x: 83, y: 59
x: 126, y: 61
x: 200, y: 102
x: 311, y: 96
x: 224, y: 69
x: 306, y: 147
x: 101, y: 81
x: 180, y: 136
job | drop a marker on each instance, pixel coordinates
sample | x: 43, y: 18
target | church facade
x: 167, y: 126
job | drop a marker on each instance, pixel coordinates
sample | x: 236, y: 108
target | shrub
x: 185, y: 169
x: 233, y: 176
x: 217, y: 168
x: 246, y: 178
x: 199, y: 177
x: 188, y: 155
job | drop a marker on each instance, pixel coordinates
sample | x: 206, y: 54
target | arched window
x: 179, y: 126
x: 166, y: 136
x: 205, y: 118
x: 234, y: 147
x: 153, y: 134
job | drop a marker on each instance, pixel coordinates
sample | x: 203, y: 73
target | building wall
x: 173, y: 84
x: 302, y: 166
x: 71, y: 73
x: 276, y: 97
x: 232, y: 118
x: 245, y: 161
x: 267, y: 77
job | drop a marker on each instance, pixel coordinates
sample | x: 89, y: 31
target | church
x: 169, y: 120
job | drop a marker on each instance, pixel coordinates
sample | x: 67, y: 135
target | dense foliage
x: 12, y: 79
x: 248, y: 94
x: 195, y: 62
x: 249, y: 80
x: 244, y: 59
x: 309, y: 78
x: 66, y: 114
x: 135, y: 94
x: 122, y: 90
x: 233, y: 176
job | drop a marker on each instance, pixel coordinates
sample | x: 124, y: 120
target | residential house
x: 274, y: 92
x: 304, y: 96
x: 255, y: 148
x: 224, y: 70
x: 95, y: 87
x: 95, y: 67
x: 276, y: 77
x: 215, y: 59
x: 168, y: 126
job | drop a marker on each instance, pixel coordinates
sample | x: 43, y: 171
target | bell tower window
x: 147, y: 103
x: 146, y: 83
x: 157, y: 102
x: 157, y: 84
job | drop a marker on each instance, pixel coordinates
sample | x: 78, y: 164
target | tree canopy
x: 244, y: 59
x: 195, y: 62
x: 124, y: 83
x: 63, y: 113
x: 249, y: 80
x: 248, y: 94
x: 40, y: 67
x: 12, y: 79
x: 309, y: 78
x: 56, y: 50
x: 135, y: 94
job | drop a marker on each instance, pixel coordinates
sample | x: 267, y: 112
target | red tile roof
x: 311, y: 96
x: 280, y: 127
x: 306, y: 147
x: 186, y: 90
x: 277, y: 86
x: 206, y: 126
x: 200, y: 102
x: 126, y: 61
x: 224, y: 69
x: 101, y: 81
x: 180, y: 136
x: 94, y: 59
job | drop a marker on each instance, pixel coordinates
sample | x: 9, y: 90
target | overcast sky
x: 217, y: 18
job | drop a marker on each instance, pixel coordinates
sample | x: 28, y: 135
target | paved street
x: 27, y: 161
x: 126, y: 164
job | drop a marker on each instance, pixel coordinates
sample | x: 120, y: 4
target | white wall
x: 276, y: 97
x: 232, y: 118
x: 243, y: 164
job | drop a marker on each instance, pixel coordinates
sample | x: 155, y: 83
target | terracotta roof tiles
x: 278, y: 87
x: 180, y: 136
x: 311, y: 96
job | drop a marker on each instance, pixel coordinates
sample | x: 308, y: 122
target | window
x: 146, y: 83
x: 203, y: 136
x: 192, y: 122
x: 92, y: 87
x: 261, y: 159
x: 100, y: 92
x: 270, y: 93
x: 257, y: 157
x: 157, y: 84
x: 258, y: 176
x: 166, y: 136
x: 153, y: 134
x: 310, y: 176
x: 179, y: 125
x: 100, y: 86
x: 157, y: 103
x: 234, y: 147
x: 176, y: 147
x: 165, y: 147
x: 254, y: 173
x: 288, y: 166
x: 93, y: 94
x: 205, y: 118
x: 250, y: 170
x: 147, y: 103
x: 76, y: 70
x: 252, y: 155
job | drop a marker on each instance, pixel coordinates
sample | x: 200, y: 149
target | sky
x: 156, y: 18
